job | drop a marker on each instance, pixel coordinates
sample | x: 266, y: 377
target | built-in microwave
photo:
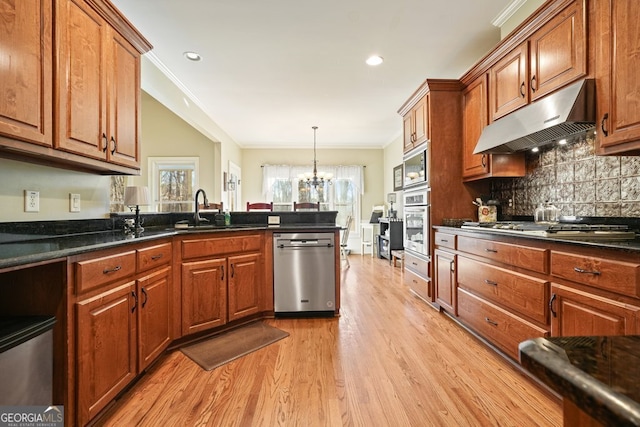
x: 416, y: 167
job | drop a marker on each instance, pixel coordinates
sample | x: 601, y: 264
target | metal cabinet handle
x: 604, y: 119
x: 444, y: 241
x: 582, y: 271
x: 522, y: 87
x: 490, y: 282
x: 105, y: 144
x: 553, y: 298
x: 146, y: 297
x: 533, y: 86
x: 491, y: 322
x: 484, y: 161
x: 115, y: 145
x: 452, y: 265
x: 493, y: 251
x: 112, y: 270
x: 222, y: 272
x: 156, y: 257
x: 233, y: 270
x: 135, y: 301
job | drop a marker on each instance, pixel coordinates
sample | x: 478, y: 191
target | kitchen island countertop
x: 600, y: 375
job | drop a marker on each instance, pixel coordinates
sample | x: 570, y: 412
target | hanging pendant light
x: 315, y: 179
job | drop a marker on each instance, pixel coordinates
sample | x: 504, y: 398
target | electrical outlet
x: 74, y: 202
x: 31, y: 201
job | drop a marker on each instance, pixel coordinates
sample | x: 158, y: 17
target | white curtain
x: 272, y: 172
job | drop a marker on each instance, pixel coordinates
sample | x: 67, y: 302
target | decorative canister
x: 487, y: 213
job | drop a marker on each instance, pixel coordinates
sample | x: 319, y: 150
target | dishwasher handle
x: 290, y: 246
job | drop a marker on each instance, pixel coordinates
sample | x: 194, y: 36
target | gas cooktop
x: 558, y: 230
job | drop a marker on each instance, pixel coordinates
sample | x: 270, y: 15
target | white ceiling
x: 272, y: 69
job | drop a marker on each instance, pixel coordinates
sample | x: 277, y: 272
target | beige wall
x: 392, y: 158
x: 164, y: 134
x: 54, y: 186
x: 373, y: 159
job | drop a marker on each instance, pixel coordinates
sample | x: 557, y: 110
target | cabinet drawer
x: 96, y: 272
x: 445, y: 240
x: 220, y: 245
x: 526, y: 295
x: 533, y: 259
x: 501, y: 328
x: 616, y: 276
x: 416, y: 265
x: 417, y: 284
x: 153, y: 256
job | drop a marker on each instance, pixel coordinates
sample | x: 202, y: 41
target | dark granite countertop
x: 24, y: 248
x: 627, y: 245
x: 600, y: 374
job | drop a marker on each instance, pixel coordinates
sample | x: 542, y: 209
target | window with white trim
x: 173, y: 182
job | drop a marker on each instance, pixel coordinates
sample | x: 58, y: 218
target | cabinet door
x: 558, y: 51
x: 124, y: 101
x: 26, y: 74
x: 617, y: 82
x: 475, y: 117
x: 244, y: 285
x: 407, y: 125
x: 81, y: 95
x: 106, y: 358
x: 421, y: 121
x: 508, y: 89
x: 445, y: 280
x: 153, y: 316
x: 204, y: 295
x: 575, y: 313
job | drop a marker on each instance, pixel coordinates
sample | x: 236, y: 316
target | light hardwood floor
x: 388, y: 360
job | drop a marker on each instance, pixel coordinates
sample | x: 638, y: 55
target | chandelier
x: 315, y: 179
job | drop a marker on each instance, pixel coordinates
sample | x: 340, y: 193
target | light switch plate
x: 31, y: 201
x: 273, y: 220
x: 74, y: 202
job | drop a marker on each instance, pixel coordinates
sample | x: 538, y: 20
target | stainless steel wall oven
x: 416, y: 221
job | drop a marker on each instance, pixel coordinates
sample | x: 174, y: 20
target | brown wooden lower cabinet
x: 243, y: 288
x: 106, y: 334
x: 576, y: 313
x: 154, y: 326
x: 445, y: 280
x: 500, y: 327
x: 204, y: 295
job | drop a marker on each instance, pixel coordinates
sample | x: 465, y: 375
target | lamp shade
x: 136, y: 196
x: 391, y: 197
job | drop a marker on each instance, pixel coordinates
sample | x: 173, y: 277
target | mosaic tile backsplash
x: 576, y: 181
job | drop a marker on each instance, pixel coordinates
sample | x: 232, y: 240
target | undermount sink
x: 185, y: 227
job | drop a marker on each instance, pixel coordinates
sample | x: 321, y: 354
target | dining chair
x: 344, y: 240
x: 306, y: 205
x: 259, y: 206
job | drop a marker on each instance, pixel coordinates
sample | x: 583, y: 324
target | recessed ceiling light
x: 192, y: 56
x: 374, y: 60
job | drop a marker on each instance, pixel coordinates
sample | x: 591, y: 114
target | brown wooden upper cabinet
x: 617, y: 82
x: 99, y: 100
x: 416, y: 124
x: 552, y: 57
x: 475, y: 117
x: 25, y: 81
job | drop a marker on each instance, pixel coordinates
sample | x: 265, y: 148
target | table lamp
x: 136, y: 196
x: 391, y: 198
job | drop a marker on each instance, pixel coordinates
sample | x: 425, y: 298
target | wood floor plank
x: 388, y: 360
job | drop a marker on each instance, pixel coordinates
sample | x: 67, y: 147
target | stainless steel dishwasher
x: 304, y: 266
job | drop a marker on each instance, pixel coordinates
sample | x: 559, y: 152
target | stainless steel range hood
x: 567, y: 112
